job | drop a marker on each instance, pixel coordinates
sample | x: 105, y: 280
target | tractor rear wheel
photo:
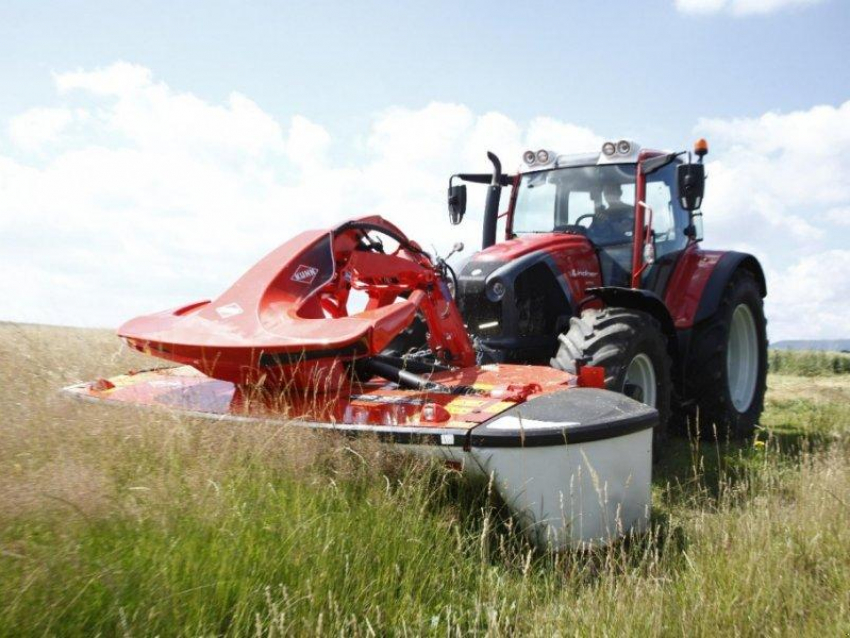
x: 630, y: 346
x: 728, y: 368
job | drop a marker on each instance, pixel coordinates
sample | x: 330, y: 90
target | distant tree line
x: 809, y: 363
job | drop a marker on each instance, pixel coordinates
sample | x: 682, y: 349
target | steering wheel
x: 586, y: 216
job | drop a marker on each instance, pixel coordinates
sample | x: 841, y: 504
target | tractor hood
x: 517, y: 296
x: 553, y: 243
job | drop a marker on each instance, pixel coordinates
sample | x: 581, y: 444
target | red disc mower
x: 551, y: 361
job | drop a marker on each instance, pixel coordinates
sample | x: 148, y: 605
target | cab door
x: 669, y: 222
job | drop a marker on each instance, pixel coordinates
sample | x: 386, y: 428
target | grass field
x: 117, y: 522
x: 809, y: 363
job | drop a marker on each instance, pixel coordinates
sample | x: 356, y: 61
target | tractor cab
x: 597, y: 197
x: 612, y: 198
x: 618, y: 218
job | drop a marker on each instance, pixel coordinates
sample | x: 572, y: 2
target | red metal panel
x: 688, y: 282
x: 573, y: 255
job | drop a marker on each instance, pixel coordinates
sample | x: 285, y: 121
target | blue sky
x: 302, y: 113
x: 644, y: 68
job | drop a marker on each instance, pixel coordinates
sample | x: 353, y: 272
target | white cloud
x: 151, y: 117
x: 839, y: 216
x: 37, y: 127
x: 308, y: 143
x: 143, y: 197
x: 809, y: 299
x: 120, y: 78
x: 740, y: 7
x: 781, y: 183
x: 773, y: 172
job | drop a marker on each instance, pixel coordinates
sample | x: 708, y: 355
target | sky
x: 151, y: 152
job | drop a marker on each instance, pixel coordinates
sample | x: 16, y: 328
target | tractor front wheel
x: 630, y: 346
x: 728, y: 368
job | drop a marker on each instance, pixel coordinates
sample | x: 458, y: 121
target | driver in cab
x: 615, y: 222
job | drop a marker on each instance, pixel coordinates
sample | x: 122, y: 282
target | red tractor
x: 600, y: 264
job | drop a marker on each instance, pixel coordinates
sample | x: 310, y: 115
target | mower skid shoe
x: 574, y: 466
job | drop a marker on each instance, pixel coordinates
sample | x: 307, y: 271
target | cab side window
x: 535, y: 200
x: 668, y: 219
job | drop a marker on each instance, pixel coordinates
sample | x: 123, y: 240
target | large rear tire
x: 727, y: 370
x: 630, y: 346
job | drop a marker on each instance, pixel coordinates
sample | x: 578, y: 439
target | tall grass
x: 114, y: 521
x: 809, y: 363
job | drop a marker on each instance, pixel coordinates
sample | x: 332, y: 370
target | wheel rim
x: 640, y: 383
x: 742, y: 362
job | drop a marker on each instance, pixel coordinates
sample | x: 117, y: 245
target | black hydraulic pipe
x: 491, y: 207
x: 407, y: 379
x: 413, y: 365
x: 404, y: 378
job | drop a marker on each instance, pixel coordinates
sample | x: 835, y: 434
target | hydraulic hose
x: 410, y: 380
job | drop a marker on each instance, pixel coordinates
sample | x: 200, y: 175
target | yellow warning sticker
x: 466, y: 405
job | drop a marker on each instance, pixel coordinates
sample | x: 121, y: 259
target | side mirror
x: 691, y: 182
x: 457, y: 203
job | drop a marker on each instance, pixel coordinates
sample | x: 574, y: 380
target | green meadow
x: 123, y: 522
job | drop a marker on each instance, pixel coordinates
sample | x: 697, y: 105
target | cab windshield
x: 597, y: 201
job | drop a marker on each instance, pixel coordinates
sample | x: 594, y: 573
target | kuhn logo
x: 305, y: 274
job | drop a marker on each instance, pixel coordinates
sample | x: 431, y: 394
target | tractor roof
x: 621, y: 152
